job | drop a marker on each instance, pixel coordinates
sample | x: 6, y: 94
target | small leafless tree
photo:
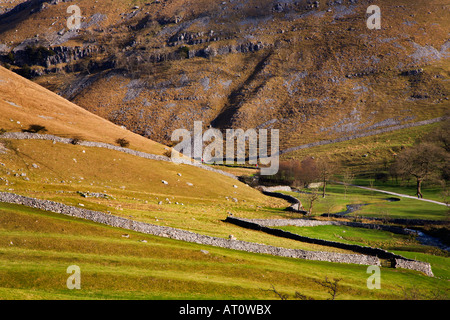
x: 331, y: 286
x: 326, y: 170
x: 329, y: 203
x: 280, y: 295
x: 445, y: 195
x: 347, y: 178
x: 371, y: 185
x: 312, y: 198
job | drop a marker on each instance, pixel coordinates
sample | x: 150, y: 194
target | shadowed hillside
x: 313, y: 71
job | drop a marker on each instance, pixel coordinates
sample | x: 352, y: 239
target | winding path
x: 394, y: 193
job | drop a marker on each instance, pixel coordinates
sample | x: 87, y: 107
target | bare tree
x: 445, y: 195
x: 347, y: 178
x: 422, y: 161
x: 280, y: 295
x: 331, y: 286
x: 441, y: 135
x: 295, y: 173
x: 371, y: 185
x: 312, y: 198
x: 325, y: 169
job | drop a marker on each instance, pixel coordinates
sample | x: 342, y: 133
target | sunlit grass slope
x: 24, y: 103
x: 36, y: 248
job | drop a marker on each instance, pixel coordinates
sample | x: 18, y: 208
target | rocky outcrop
x: 34, y: 53
x: 64, y: 54
x: 209, y: 51
x: 239, y: 48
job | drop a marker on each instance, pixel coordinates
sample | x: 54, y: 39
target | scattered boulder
x: 413, y: 72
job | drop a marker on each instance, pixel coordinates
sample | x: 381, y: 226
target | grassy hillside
x: 132, y: 187
x: 24, y: 103
x: 37, y: 247
x: 366, y: 155
x: 314, y: 73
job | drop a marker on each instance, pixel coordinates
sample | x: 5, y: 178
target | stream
x: 352, y: 208
x: 427, y: 240
x: 423, y: 238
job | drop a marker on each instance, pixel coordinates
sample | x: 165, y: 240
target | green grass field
x: 377, y: 204
x: 37, y: 247
x: 439, y: 259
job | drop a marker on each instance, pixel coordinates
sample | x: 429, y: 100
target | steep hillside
x: 110, y: 180
x: 24, y: 104
x: 314, y: 71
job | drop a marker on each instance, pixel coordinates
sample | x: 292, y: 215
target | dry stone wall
x: 184, y: 235
x: 295, y: 206
x: 397, y: 261
x: 38, y: 136
x: 314, y: 223
x: 274, y: 188
x: 399, y: 221
x: 413, y: 265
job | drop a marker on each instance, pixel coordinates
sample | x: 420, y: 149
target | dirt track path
x: 395, y: 194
